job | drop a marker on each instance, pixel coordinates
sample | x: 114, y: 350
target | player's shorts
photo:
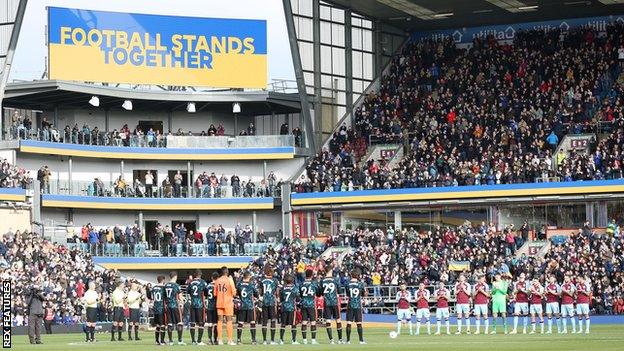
x: 225, y: 311
x: 92, y: 314
x: 308, y: 314
x: 480, y: 310
x: 135, y: 315
x: 197, y: 315
x: 246, y: 316
x: 354, y: 315
x: 287, y: 318
x: 499, y: 306
x: 582, y: 308
x: 521, y: 308
x: 159, y: 319
x: 536, y: 308
x: 269, y: 313
x: 463, y: 308
x: 567, y: 310
x: 404, y: 314
x: 211, y: 316
x: 422, y: 313
x: 331, y: 312
x: 442, y: 312
x: 552, y: 308
x: 118, y: 314
x: 174, y: 315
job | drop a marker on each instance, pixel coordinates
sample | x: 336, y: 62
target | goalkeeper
x: 499, y: 300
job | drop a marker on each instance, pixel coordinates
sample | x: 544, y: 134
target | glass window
x: 325, y: 13
x: 358, y: 86
x: 367, y: 40
x: 338, y: 35
x: 338, y: 61
x: 337, y: 15
x: 356, y: 38
x: 326, y: 32
x: 304, y: 28
x: 308, y: 78
x: 357, y: 64
x: 566, y: 216
x: 305, y: 7
x: 615, y: 210
x: 367, y: 66
x: 326, y: 62
x: 307, y: 55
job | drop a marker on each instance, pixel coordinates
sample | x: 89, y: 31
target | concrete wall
x: 13, y: 219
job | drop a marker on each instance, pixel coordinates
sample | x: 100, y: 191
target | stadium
x: 323, y: 174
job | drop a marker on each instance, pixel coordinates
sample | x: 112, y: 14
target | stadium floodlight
x: 190, y: 108
x: 127, y: 105
x: 94, y: 101
x: 236, y: 107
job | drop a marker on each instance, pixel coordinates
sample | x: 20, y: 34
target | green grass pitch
x: 602, y: 337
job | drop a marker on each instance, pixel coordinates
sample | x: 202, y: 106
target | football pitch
x: 602, y: 337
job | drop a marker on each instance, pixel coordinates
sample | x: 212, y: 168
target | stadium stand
x: 12, y: 176
x: 60, y: 273
x: 411, y: 257
x: 482, y: 115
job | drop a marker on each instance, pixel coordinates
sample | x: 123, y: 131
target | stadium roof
x: 439, y: 14
x: 48, y: 94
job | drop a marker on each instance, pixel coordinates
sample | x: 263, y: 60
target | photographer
x: 35, y: 314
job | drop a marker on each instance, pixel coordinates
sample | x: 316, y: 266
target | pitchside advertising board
x: 115, y: 47
x: 507, y: 32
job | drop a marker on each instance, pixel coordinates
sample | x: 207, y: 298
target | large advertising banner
x: 115, y: 47
x: 507, y: 32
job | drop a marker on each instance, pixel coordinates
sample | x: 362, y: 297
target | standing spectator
x: 149, y: 183
x: 49, y: 318
x: 177, y: 184
x: 35, y: 314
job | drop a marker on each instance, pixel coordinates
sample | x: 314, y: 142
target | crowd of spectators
x: 12, y: 176
x: 30, y: 262
x: 22, y: 128
x: 389, y: 257
x: 385, y: 256
x: 177, y: 239
x: 490, y: 114
x: 205, y: 186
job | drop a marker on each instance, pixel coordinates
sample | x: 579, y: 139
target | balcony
x: 172, y: 147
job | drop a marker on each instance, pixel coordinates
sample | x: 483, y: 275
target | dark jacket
x: 35, y: 302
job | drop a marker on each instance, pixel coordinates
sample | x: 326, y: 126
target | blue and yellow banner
x: 460, y: 192
x: 115, y: 47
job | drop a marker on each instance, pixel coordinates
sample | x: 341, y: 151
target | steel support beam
x: 316, y: 58
x: 348, y: 67
x: 6, y: 70
x: 301, y: 86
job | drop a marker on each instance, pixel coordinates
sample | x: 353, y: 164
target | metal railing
x: 162, y: 249
x: 99, y: 138
x: 137, y: 190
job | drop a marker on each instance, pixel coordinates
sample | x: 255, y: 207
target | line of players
x: 529, y: 298
x: 263, y: 300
